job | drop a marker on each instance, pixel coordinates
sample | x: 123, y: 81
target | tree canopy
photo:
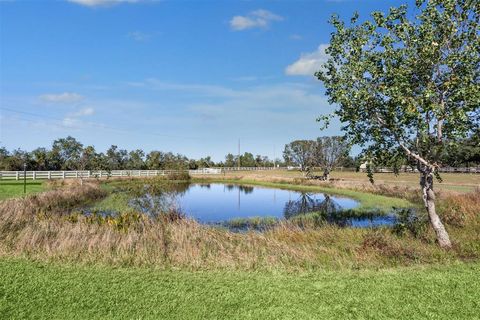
x: 408, y: 87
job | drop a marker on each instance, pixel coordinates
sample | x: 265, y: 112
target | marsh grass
x: 42, y: 227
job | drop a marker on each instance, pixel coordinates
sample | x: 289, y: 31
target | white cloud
x: 308, y: 63
x: 296, y: 37
x: 139, y: 36
x: 101, y: 3
x: 256, y: 19
x: 73, y: 119
x: 84, y: 112
x: 66, y: 97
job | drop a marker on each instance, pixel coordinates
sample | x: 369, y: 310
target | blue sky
x: 185, y: 76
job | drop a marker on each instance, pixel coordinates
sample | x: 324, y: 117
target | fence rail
x: 441, y: 170
x: 42, y: 175
x: 227, y: 169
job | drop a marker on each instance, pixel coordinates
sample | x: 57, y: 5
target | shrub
x: 179, y: 175
x: 409, y: 220
x: 457, y: 210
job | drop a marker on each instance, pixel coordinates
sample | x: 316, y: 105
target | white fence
x: 441, y: 170
x: 227, y: 169
x: 41, y: 175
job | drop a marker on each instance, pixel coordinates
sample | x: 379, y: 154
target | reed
x: 41, y: 227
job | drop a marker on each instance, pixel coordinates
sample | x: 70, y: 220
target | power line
x: 98, y: 125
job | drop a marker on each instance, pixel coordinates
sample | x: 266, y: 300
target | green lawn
x: 33, y: 290
x: 14, y: 188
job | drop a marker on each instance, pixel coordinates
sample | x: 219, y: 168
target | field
x: 54, y: 265
x: 461, y: 182
x: 52, y: 291
x: 13, y: 188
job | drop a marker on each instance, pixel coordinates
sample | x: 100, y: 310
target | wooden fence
x: 42, y: 175
x: 441, y: 170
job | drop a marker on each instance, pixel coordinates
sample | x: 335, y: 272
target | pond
x: 230, y: 204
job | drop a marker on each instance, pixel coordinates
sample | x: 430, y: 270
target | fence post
x: 63, y: 174
x: 16, y: 175
x: 49, y: 175
x: 34, y: 175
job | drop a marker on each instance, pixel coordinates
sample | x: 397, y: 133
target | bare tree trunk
x: 426, y: 182
x: 326, y: 174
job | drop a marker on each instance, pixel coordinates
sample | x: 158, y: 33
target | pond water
x: 218, y: 203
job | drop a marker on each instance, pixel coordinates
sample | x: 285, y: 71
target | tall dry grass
x: 37, y: 227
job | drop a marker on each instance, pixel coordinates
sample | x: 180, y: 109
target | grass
x: 13, y: 188
x: 460, y: 182
x: 39, y: 227
x: 33, y: 290
x: 55, y: 267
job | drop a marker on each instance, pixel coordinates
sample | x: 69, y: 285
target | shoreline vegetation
x: 37, y: 227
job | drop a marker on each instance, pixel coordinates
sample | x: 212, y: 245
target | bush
x: 408, y: 220
x: 457, y: 210
x: 179, y: 175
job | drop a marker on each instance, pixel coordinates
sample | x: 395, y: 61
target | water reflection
x: 306, y: 203
x: 216, y: 203
x: 328, y: 211
x: 159, y: 201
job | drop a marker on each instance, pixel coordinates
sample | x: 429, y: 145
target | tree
x: 247, y: 160
x: 67, y: 152
x: 135, y: 160
x: 205, y: 162
x: 464, y: 153
x: 301, y: 153
x: 153, y: 160
x: 230, y: 160
x: 329, y: 152
x: 116, y: 158
x: 40, y: 159
x: 408, y: 86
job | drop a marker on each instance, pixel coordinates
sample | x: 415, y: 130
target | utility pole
x: 238, y: 159
x: 25, y: 178
x: 274, y: 158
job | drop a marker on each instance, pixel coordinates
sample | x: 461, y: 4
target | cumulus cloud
x: 256, y: 19
x: 74, y: 119
x: 66, y: 97
x: 101, y: 3
x: 308, y: 63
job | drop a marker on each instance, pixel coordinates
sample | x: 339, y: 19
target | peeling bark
x: 426, y: 182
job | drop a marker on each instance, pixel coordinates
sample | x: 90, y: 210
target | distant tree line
x: 330, y: 152
x: 324, y: 152
x: 70, y: 154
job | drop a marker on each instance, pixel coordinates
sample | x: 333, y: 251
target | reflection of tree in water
x: 306, y: 203
x: 325, y: 211
x: 179, y: 188
x: 160, y: 200
x: 204, y: 185
x: 244, y: 189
